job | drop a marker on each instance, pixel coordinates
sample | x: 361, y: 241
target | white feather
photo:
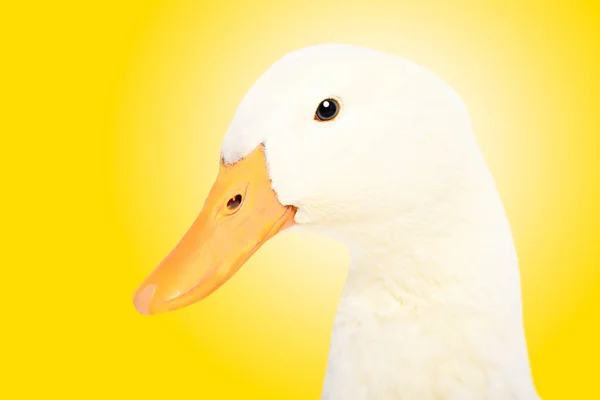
x: 431, y: 308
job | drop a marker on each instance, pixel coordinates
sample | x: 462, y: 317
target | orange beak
x: 241, y: 213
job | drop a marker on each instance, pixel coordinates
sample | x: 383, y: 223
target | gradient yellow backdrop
x: 111, y: 125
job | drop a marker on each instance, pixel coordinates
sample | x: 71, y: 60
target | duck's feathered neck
x: 431, y: 308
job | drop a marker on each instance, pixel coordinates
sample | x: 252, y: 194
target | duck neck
x: 446, y: 298
x: 456, y: 256
x: 463, y: 272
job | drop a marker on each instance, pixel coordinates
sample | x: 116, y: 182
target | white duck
x: 379, y: 153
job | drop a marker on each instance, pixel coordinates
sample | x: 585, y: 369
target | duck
x: 379, y: 153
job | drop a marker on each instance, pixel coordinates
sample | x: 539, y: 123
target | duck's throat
x: 436, y: 315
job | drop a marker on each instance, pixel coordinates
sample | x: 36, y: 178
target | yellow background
x: 112, y: 118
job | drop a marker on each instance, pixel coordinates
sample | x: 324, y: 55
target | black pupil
x: 327, y: 110
x: 234, y: 202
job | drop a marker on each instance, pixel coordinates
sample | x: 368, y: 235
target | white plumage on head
x: 432, y: 307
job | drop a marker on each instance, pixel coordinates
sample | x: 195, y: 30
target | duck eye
x: 327, y: 110
x: 234, y: 202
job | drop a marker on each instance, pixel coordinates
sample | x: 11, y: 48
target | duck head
x: 331, y: 138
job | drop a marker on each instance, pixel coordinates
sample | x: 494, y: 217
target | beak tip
x: 142, y: 299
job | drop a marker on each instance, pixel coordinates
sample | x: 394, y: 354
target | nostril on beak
x: 234, y: 202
